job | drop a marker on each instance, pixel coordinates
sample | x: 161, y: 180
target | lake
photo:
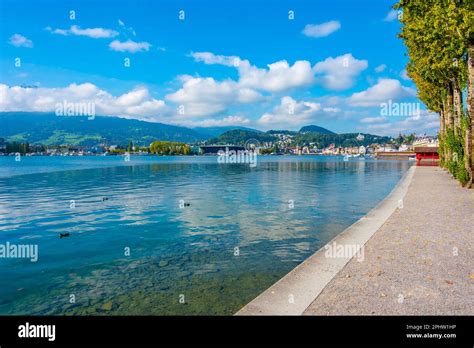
x: 171, y: 235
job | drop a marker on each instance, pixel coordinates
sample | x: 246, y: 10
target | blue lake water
x: 239, y: 230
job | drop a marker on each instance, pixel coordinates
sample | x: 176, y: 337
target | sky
x: 260, y: 64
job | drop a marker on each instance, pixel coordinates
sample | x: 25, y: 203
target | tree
x: 169, y: 148
x: 437, y: 35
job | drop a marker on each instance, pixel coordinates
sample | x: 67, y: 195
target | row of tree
x: 439, y: 38
x: 17, y: 147
x: 169, y: 148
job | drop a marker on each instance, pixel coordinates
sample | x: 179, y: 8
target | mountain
x: 344, y: 140
x: 211, y: 132
x: 240, y: 137
x: 286, y: 132
x: 49, y: 129
x: 315, y: 129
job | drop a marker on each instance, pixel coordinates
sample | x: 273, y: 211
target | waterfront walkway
x: 418, y: 258
x: 421, y: 261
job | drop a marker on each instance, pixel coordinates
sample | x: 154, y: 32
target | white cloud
x: 134, y: 97
x: 384, y: 90
x: 330, y: 109
x: 339, y: 73
x: 95, y: 33
x: 336, y: 73
x: 404, y: 75
x: 129, y: 29
x: 134, y: 104
x: 321, y: 30
x: 279, y: 76
x: 19, y: 40
x: 380, y: 68
x: 206, y: 96
x: 129, y: 46
x: 211, y: 58
x: 212, y: 122
x: 290, y: 114
x: 427, y: 122
x: 377, y: 119
x: 391, y: 16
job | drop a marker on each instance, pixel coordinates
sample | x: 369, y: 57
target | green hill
x: 318, y: 139
x: 49, y: 129
x: 240, y: 137
x: 315, y: 129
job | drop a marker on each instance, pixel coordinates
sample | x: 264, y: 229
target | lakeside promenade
x: 419, y: 261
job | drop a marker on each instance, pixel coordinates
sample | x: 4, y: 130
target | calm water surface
x: 244, y: 228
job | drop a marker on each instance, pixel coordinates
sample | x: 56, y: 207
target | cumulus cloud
x: 391, y: 16
x: 95, y: 33
x: 219, y: 122
x: 277, y: 77
x: 290, y: 114
x: 380, y: 68
x: 384, y: 90
x: 339, y: 73
x: 373, y: 119
x: 129, y: 46
x: 426, y: 122
x: 19, y: 40
x: 333, y: 73
x: 321, y: 30
x: 134, y: 104
x: 206, y: 96
x: 404, y: 75
x: 211, y: 58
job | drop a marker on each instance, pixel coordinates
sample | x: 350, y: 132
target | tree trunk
x: 441, y: 123
x: 470, y: 111
x: 457, y: 94
x: 441, y: 131
x: 449, y: 107
x: 442, y: 126
x: 448, y: 119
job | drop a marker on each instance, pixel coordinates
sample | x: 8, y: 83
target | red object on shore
x: 428, y: 153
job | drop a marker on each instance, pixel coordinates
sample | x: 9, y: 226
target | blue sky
x: 245, y: 62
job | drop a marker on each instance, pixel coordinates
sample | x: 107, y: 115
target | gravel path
x: 421, y: 261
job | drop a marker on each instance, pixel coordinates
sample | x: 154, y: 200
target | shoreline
x: 297, y: 290
x: 418, y: 263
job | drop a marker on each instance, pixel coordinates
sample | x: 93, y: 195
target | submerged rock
x: 184, y: 274
x: 107, y: 306
x: 163, y: 263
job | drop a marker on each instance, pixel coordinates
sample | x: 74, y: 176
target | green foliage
x: 49, y: 129
x: 436, y: 34
x: 239, y: 137
x: 15, y: 147
x: 169, y: 148
x: 344, y: 140
x: 266, y: 151
x: 454, y: 155
x: 315, y: 129
x: 117, y: 151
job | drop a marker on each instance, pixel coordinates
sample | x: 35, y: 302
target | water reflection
x: 276, y: 215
